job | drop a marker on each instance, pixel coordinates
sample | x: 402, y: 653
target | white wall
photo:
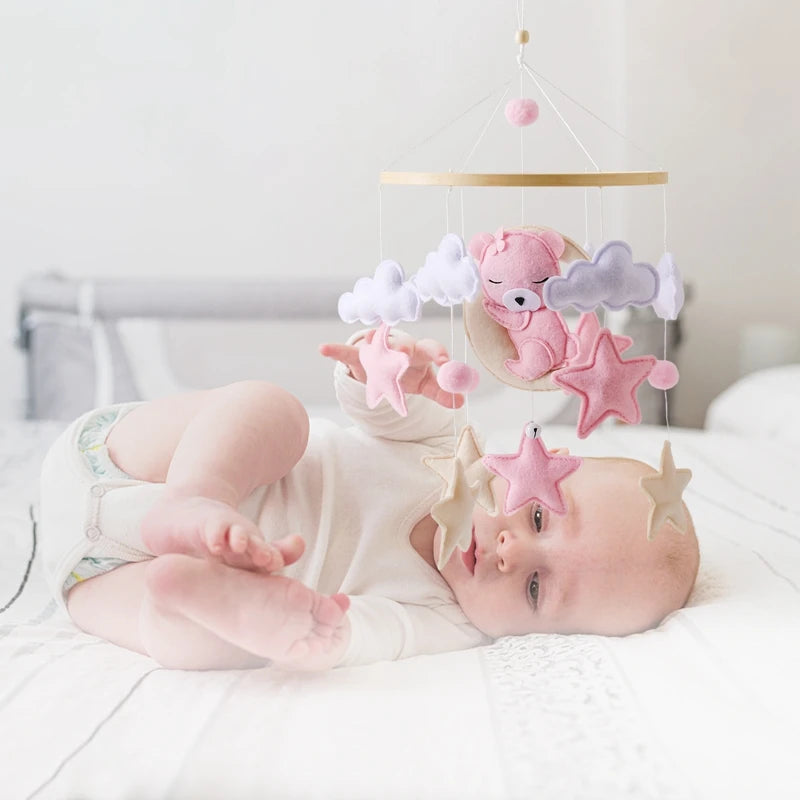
x: 191, y: 138
x: 714, y: 87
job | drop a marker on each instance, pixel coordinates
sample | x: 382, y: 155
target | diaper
x: 90, y: 510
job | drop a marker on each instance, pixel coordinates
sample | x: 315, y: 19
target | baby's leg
x: 191, y: 613
x: 212, y: 449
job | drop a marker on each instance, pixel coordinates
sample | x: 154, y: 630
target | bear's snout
x: 521, y: 300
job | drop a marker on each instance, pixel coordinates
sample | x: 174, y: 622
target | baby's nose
x: 508, y: 546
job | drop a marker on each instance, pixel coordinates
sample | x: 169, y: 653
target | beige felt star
x: 664, y: 490
x: 453, y: 514
x: 478, y: 477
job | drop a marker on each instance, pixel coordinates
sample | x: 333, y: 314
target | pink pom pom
x: 664, y: 375
x: 522, y: 111
x: 457, y: 377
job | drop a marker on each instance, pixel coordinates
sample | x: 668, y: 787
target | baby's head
x: 591, y: 570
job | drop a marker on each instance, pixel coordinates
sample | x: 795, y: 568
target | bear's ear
x: 478, y: 244
x: 554, y: 242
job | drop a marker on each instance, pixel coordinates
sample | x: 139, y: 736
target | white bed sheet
x: 706, y: 706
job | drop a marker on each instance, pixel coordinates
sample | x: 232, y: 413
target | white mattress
x: 706, y: 706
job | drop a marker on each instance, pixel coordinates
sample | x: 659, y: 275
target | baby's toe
x: 265, y: 555
x: 214, y: 532
x: 238, y: 539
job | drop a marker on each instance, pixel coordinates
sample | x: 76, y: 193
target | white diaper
x: 87, y: 523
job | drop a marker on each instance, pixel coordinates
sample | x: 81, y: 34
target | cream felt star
x: 606, y: 384
x: 383, y: 368
x: 533, y: 473
x: 469, y: 454
x: 453, y: 514
x: 664, y: 490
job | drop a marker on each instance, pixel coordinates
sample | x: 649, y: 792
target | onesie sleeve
x: 426, y: 419
x: 385, y: 630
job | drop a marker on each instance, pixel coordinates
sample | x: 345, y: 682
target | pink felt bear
x: 514, y: 266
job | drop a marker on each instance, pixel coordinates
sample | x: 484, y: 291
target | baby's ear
x: 478, y: 244
x: 560, y: 451
x: 554, y: 242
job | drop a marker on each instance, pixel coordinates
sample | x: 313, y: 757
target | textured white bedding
x: 707, y: 706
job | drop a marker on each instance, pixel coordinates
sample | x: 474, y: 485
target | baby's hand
x: 419, y: 378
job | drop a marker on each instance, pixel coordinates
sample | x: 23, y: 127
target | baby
x: 164, y: 529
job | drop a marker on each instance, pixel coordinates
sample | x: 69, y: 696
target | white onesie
x: 354, y: 497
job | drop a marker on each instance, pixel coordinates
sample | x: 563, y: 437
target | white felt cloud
x: 610, y: 279
x: 670, y: 297
x: 387, y: 297
x: 449, y: 275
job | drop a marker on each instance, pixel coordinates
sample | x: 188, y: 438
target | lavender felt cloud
x: 610, y: 279
x: 669, y: 300
x: 387, y: 297
x: 449, y: 275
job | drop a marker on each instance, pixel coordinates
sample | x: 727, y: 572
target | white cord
x: 560, y: 116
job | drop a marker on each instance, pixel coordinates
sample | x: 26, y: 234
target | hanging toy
x: 469, y: 455
x: 457, y: 377
x: 664, y: 490
x: 610, y: 279
x: 586, y: 333
x: 514, y: 268
x: 670, y: 297
x: 384, y: 368
x: 522, y: 111
x: 533, y: 473
x: 606, y: 384
x: 664, y: 375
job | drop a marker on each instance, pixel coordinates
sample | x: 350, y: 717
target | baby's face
x: 591, y: 570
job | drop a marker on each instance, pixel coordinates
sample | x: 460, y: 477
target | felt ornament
x: 663, y: 376
x: 514, y: 267
x: 610, y: 279
x: 522, y: 111
x: 386, y: 298
x: 468, y: 454
x: 664, y: 490
x: 383, y: 368
x: 449, y: 275
x: 457, y: 377
x: 606, y: 384
x: 533, y: 473
x: 586, y: 332
x: 453, y: 514
x: 669, y: 300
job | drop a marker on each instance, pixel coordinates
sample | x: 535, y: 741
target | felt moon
x: 490, y: 340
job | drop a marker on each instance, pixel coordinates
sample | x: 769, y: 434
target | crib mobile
x: 513, y: 289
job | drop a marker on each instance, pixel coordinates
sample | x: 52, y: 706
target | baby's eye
x: 533, y: 590
x: 537, y: 516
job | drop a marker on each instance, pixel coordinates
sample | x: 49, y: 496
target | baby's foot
x: 300, y: 628
x: 202, y: 527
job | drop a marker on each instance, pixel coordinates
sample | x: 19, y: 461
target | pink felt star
x: 533, y: 473
x: 606, y: 384
x: 586, y: 333
x: 384, y: 367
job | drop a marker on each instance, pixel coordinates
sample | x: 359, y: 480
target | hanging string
x: 591, y: 113
x: 666, y: 391
x: 486, y: 127
x: 380, y: 223
x: 449, y: 124
x: 586, y: 215
x: 560, y: 115
x: 520, y: 61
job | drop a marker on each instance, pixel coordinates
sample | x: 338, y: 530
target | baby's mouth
x: 469, y: 556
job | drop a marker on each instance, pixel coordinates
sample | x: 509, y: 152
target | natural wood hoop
x: 524, y: 179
